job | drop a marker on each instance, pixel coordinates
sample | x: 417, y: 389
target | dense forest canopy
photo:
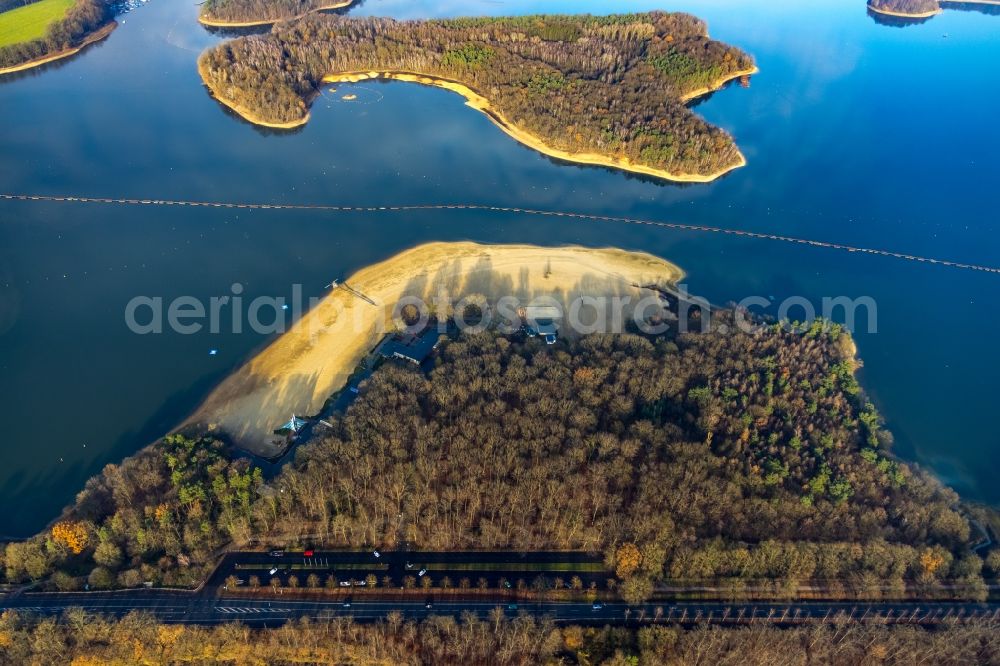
x: 734, y: 456
x: 496, y: 641
x: 263, y: 11
x: 725, y: 456
x: 159, y: 516
x: 83, y: 18
x: 609, y: 85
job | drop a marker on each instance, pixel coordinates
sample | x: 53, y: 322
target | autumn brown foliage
x: 717, y: 455
x: 496, y: 641
x: 733, y: 456
x: 159, y: 516
x: 610, y: 85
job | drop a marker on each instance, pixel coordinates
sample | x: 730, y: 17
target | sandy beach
x: 303, y: 367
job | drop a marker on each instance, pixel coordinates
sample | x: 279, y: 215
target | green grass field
x: 26, y: 23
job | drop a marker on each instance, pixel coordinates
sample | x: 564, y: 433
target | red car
x: 308, y: 553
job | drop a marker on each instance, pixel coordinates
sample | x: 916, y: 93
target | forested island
x: 906, y: 8
x: 87, y: 639
x: 919, y: 9
x: 66, y: 32
x: 607, y: 90
x: 245, y: 13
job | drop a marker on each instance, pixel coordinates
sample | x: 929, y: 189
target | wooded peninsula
x: 608, y: 90
x: 328, y: 343
x: 738, y: 458
x: 699, y: 456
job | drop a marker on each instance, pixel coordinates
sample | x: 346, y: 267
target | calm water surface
x: 855, y: 132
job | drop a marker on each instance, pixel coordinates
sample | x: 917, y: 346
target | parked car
x: 377, y: 554
x: 422, y: 572
x: 308, y: 553
x: 345, y: 583
x: 273, y: 570
x: 277, y: 553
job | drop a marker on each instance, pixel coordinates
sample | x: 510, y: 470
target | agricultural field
x: 30, y: 22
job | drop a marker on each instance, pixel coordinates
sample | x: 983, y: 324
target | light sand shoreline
x: 92, y: 38
x: 478, y: 102
x: 300, y: 370
x: 221, y: 23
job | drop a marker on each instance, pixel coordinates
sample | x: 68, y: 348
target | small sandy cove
x: 314, y: 359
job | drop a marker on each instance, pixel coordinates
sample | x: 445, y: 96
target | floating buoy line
x: 504, y: 209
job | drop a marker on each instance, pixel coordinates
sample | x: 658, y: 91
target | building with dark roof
x: 409, y: 347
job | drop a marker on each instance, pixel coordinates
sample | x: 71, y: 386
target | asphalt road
x: 214, y: 604
x: 187, y: 608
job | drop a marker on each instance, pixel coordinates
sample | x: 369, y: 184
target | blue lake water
x: 855, y: 132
